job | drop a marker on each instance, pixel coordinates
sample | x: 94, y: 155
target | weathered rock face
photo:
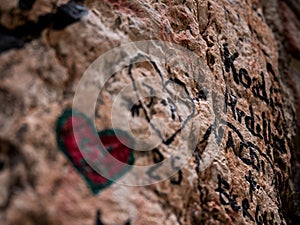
x: 48, y: 45
x: 283, y: 18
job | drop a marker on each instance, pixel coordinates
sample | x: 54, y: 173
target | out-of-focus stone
x: 283, y: 18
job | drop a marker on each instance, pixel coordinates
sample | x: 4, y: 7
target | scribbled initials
x: 252, y: 184
x: 145, y: 108
x: 135, y: 111
x: 271, y: 132
x: 227, y: 198
x: 247, y: 152
x: 258, y: 86
x: 252, y: 122
x: 158, y: 159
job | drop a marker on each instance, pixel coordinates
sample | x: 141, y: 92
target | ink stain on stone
x: 68, y: 14
x: 26, y: 4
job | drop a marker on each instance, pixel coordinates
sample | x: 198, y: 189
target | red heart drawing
x: 116, y: 143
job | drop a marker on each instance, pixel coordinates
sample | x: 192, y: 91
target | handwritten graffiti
x: 168, y: 102
x: 168, y: 95
x: 227, y: 197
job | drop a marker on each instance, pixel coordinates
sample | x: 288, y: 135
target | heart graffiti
x: 85, y: 147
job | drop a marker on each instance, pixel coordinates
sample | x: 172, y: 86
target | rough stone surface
x: 250, y: 181
x: 283, y: 18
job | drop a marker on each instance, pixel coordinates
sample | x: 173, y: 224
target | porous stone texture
x: 283, y: 19
x: 249, y: 181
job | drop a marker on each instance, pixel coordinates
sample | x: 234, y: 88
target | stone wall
x: 245, y: 100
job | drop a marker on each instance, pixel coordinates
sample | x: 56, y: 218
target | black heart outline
x: 164, y: 84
